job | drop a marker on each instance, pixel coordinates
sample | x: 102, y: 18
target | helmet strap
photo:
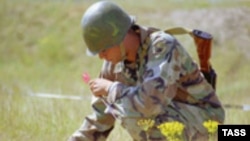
x: 123, y: 52
x: 119, y: 66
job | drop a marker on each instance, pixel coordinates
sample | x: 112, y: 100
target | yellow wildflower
x: 145, y: 124
x: 172, y: 130
x: 211, y: 126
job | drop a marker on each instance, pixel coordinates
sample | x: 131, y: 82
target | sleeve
x: 98, y: 125
x: 158, y: 85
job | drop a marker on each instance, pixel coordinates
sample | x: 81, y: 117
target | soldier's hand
x: 100, y: 86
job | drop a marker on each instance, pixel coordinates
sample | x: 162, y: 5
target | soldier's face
x: 112, y: 54
x: 126, y: 50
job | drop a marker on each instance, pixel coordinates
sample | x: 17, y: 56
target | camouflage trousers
x: 191, y: 117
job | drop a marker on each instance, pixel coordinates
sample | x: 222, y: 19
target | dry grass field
x: 41, y: 51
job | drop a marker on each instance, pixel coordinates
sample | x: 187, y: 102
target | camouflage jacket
x: 164, y: 84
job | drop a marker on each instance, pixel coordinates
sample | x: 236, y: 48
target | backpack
x: 203, y: 43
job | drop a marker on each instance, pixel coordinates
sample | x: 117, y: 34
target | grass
x: 41, y: 50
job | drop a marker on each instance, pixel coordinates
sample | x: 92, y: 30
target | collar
x: 143, y: 33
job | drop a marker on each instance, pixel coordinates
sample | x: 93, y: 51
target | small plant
x: 212, y: 127
x: 172, y: 130
x: 145, y: 124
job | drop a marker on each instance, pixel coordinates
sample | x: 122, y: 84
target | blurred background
x: 42, y: 52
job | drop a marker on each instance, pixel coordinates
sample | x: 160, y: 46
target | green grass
x: 41, y: 50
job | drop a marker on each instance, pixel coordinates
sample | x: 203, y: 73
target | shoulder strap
x: 203, y: 43
x: 179, y: 30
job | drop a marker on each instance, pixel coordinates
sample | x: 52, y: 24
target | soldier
x: 146, y: 75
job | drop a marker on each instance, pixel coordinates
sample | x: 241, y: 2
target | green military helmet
x: 104, y: 25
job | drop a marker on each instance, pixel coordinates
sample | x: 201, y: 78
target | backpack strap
x: 203, y: 43
x: 178, y: 31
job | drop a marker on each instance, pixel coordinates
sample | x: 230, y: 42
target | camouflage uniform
x: 164, y: 84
